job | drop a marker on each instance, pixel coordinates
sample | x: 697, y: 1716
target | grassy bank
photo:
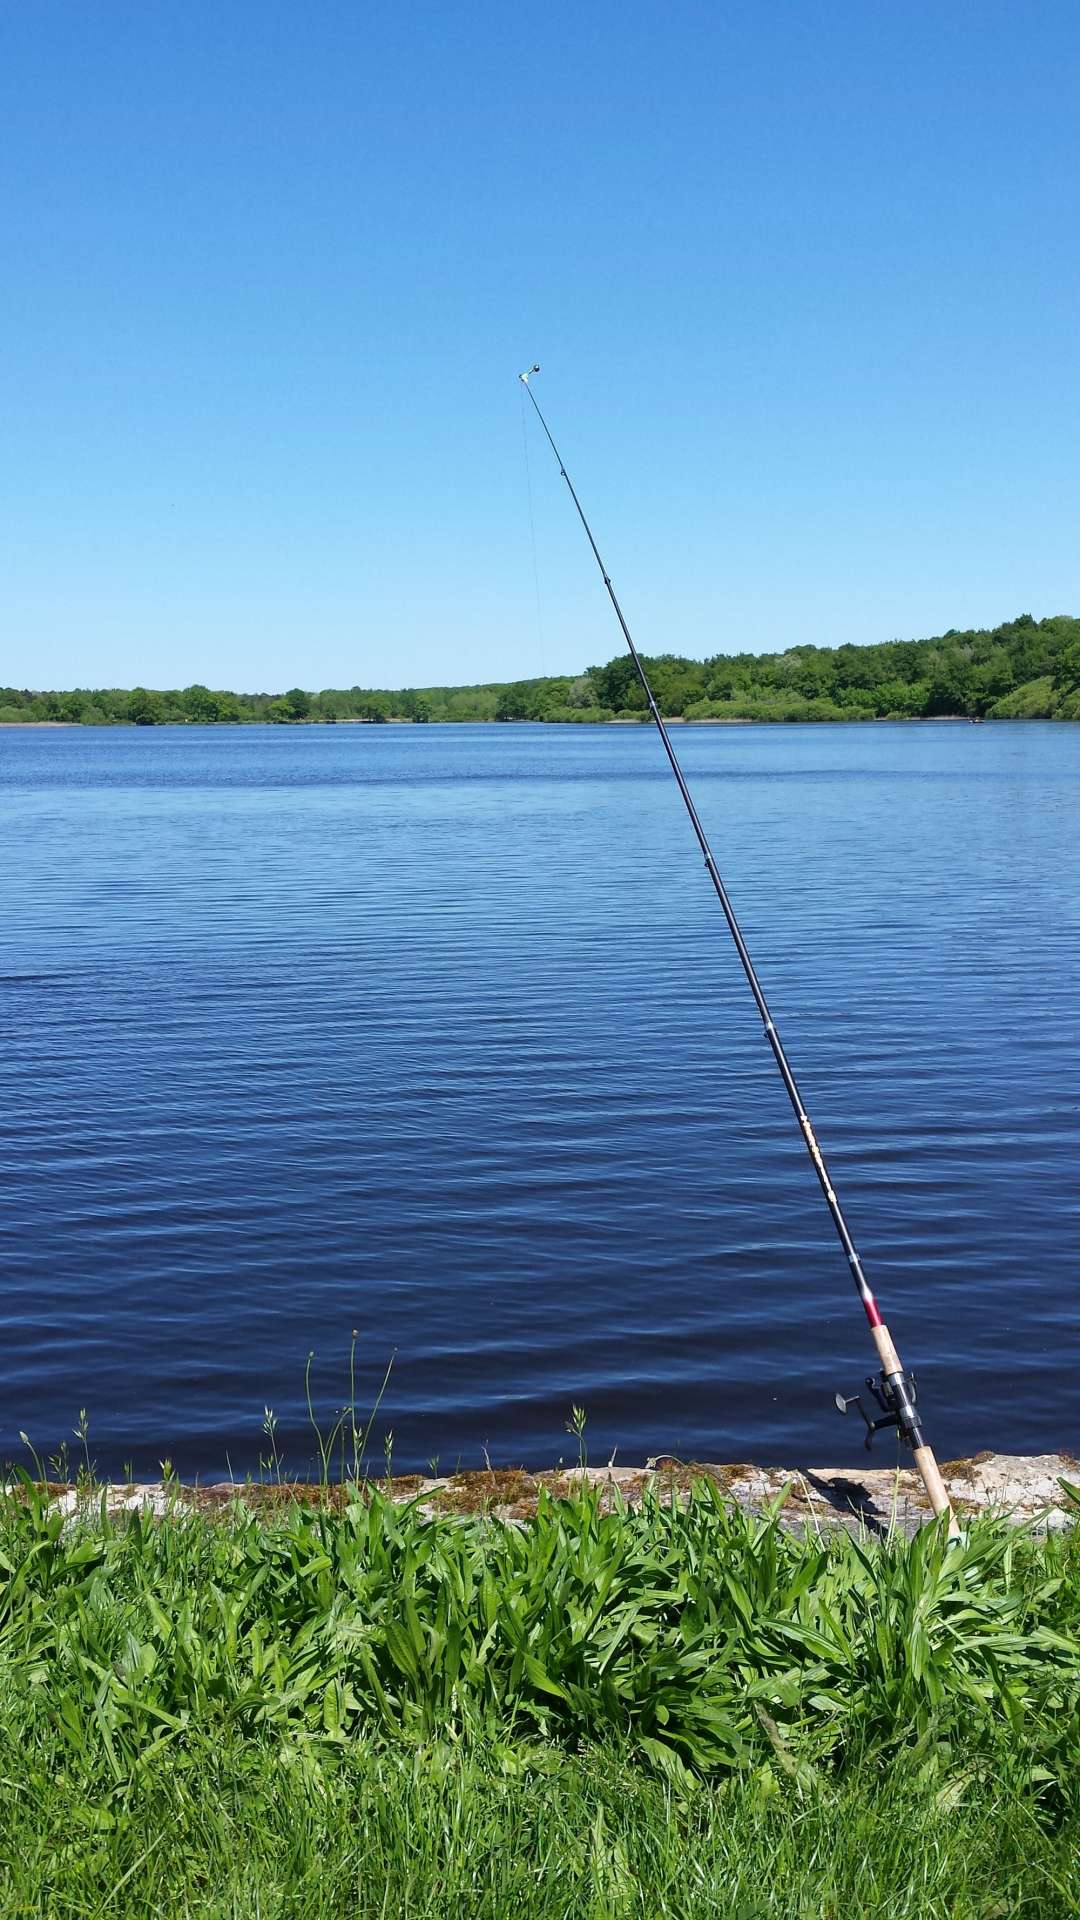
x: 585, y: 1836
x: 678, y: 1710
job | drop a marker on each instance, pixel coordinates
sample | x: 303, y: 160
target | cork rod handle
x: 927, y: 1465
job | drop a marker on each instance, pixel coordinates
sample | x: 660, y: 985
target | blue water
x: 437, y: 1033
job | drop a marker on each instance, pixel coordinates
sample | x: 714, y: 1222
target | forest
x: 1023, y: 669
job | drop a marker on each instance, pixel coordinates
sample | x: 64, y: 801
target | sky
x: 802, y: 279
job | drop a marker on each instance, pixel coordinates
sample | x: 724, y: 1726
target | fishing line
x: 892, y: 1390
x: 532, y: 536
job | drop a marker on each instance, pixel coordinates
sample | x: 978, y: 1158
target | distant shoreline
x: 669, y: 719
x: 1024, y: 669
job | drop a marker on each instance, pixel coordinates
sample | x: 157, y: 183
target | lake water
x: 437, y: 1032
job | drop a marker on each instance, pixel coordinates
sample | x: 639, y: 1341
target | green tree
x: 518, y: 702
x: 678, y: 691
x: 582, y: 692
x: 618, y: 686
x: 298, y: 703
x: 144, y: 708
x: 897, y: 696
x: 722, y: 679
x: 200, y: 705
x: 952, y: 685
x: 1067, y: 670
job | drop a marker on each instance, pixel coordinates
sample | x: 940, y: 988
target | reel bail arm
x: 895, y: 1396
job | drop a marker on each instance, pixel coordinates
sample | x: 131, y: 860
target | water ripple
x: 436, y: 1032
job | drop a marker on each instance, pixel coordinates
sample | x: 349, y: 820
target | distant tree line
x: 1025, y: 669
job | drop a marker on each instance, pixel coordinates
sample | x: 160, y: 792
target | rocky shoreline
x: 1024, y: 1488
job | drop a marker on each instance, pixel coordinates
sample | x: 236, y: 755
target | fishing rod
x: 892, y: 1389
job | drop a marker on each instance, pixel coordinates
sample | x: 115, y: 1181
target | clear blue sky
x: 803, y: 279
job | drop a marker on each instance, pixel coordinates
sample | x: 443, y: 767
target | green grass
x: 673, y: 1711
x: 441, y: 1835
